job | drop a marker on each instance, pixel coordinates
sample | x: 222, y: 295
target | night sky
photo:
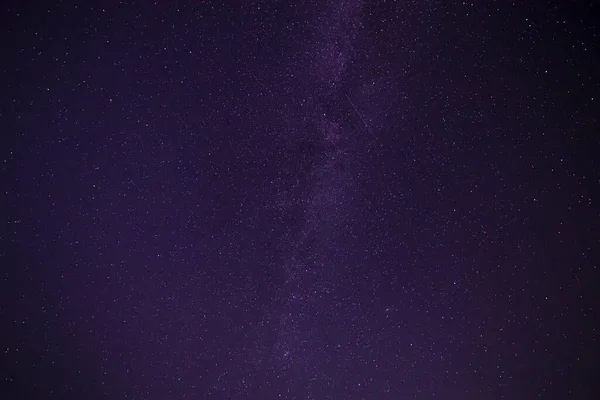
x: 336, y: 199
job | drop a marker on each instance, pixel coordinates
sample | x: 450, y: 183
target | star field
x: 338, y: 199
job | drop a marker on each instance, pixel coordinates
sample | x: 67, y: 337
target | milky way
x: 293, y: 336
x: 335, y: 199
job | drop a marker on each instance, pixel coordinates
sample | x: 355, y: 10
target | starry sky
x: 337, y: 199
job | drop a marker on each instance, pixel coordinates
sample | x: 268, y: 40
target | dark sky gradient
x: 340, y: 199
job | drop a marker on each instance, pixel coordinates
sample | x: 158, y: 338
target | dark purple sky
x: 340, y: 199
